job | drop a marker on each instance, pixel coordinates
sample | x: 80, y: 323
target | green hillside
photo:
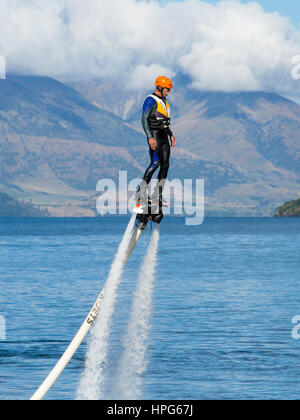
x: 289, y: 209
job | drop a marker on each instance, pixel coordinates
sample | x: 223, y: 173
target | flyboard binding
x: 152, y: 211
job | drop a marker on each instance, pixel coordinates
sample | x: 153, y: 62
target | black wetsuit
x: 156, y: 124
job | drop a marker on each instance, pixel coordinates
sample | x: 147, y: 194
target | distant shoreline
x: 12, y: 208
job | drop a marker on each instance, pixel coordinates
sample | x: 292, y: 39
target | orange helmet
x: 163, y: 82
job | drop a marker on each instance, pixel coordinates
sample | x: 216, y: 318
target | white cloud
x: 144, y: 76
x: 228, y: 46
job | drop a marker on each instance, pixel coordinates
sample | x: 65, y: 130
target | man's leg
x: 142, y: 191
x: 164, y: 153
x: 164, y: 158
x: 154, y: 164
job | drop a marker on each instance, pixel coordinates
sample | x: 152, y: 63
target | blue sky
x: 289, y: 8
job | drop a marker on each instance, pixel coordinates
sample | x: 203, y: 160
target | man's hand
x: 153, y: 143
x: 173, y: 140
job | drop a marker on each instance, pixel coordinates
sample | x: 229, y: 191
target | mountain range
x: 57, y: 140
x: 55, y: 145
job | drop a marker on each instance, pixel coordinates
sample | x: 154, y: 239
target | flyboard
x: 140, y: 225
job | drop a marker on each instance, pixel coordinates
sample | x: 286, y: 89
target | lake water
x: 221, y: 323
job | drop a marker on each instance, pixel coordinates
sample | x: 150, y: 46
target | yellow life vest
x: 163, y: 108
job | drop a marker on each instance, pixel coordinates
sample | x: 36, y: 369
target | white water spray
x: 91, y: 384
x: 133, y: 362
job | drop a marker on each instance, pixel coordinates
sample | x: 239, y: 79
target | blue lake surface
x: 224, y: 299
